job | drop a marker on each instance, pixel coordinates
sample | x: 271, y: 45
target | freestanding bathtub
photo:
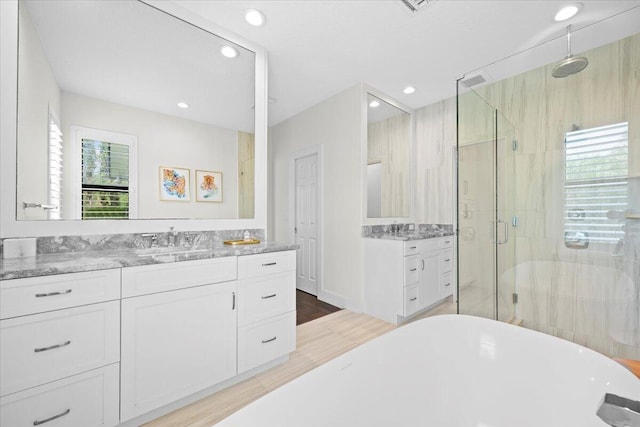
x: 449, y: 371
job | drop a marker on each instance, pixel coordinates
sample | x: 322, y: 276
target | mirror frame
x: 366, y: 90
x: 11, y: 227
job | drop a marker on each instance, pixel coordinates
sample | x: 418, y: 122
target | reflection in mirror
x: 388, y: 147
x: 109, y: 92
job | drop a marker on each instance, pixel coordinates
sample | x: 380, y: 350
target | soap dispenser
x: 246, y: 236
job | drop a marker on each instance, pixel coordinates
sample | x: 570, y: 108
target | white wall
x: 38, y: 92
x: 162, y: 141
x: 335, y: 124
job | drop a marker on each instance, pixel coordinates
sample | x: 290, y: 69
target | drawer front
x: 149, y: 279
x: 446, y: 284
x: 49, y: 346
x: 410, y: 300
x: 88, y: 400
x: 20, y: 297
x: 411, y: 269
x: 262, y: 342
x: 269, y: 263
x: 446, y: 242
x: 446, y: 261
x: 411, y: 247
x: 264, y: 297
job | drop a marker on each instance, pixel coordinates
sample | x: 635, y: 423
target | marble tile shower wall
x: 590, y: 296
x: 98, y: 242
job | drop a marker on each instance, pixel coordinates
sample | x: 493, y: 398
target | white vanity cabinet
x: 60, y: 348
x: 403, y: 278
x: 266, y: 308
x: 176, y: 340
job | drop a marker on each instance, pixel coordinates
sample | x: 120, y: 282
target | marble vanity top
x: 72, y: 262
x: 423, y: 231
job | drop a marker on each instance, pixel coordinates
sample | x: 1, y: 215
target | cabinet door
x: 429, y: 285
x: 175, y: 344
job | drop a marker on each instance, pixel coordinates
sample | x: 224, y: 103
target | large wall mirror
x: 388, y: 159
x: 126, y: 112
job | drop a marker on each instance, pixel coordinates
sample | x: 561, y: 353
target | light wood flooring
x: 318, y: 341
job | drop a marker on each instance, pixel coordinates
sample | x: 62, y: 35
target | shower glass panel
x: 486, y: 192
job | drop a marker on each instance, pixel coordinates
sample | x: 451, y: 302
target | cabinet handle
x: 268, y: 264
x: 50, y: 294
x: 422, y: 264
x: 447, y: 241
x: 447, y: 260
x: 413, y: 247
x: 51, y: 347
x: 448, y: 284
x: 268, y: 296
x: 269, y: 340
x: 413, y: 269
x: 55, y: 417
x: 413, y: 299
x: 233, y: 303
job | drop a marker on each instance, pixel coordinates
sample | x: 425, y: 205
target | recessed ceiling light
x: 374, y: 104
x: 229, y: 51
x: 254, y: 17
x: 409, y: 89
x: 567, y: 12
x: 183, y: 105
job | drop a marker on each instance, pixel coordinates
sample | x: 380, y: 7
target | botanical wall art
x: 208, y: 186
x: 174, y: 184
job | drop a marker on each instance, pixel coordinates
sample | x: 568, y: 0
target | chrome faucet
x: 619, y: 411
x: 154, y: 239
x: 171, y: 239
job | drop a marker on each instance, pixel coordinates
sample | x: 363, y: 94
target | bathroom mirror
x: 388, y: 159
x: 125, y: 111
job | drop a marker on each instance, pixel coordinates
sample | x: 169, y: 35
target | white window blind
x: 596, y: 171
x: 105, y: 180
x: 55, y: 167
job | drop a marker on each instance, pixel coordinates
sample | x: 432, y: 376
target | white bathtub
x: 449, y: 371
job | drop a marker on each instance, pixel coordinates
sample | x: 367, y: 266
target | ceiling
x: 318, y: 48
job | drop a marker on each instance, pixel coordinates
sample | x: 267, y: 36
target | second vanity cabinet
x: 403, y: 278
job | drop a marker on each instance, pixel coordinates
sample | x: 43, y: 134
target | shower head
x: 571, y: 64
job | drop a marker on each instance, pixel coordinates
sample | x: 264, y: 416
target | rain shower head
x: 571, y: 64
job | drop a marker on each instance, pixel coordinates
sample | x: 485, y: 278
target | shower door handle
x: 506, y: 232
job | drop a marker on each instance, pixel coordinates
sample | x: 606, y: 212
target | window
x: 107, y: 175
x: 596, y: 171
x: 55, y: 167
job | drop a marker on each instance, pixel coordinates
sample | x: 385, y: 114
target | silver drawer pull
x: 233, y: 302
x: 447, y: 241
x: 413, y: 299
x: 413, y: 247
x: 413, y: 269
x: 268, y: 296
x: 447, y: 284
x: 447, y: 260
x: 52, y: 347
x: 269, y: 340
x: 269, y: 263
x: 55, y: 417
x: 51, y: 294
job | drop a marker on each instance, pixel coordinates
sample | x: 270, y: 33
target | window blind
x: 596, y: 171
x: 105, y: 180
x: 55, y: 167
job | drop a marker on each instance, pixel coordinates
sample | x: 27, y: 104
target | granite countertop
x: 410, y: 235
x: 72, y: 262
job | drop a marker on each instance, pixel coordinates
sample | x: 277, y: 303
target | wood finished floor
x: 310, y: 308
x: 318, y: 341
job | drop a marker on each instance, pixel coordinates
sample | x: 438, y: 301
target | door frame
x: 317, y: 150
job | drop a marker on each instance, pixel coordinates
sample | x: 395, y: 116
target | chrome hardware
x: 26, y: 205
x: 447, y: 260
x: 55, y: 417
x: 506, y: 232
x: 447, y: 241
x: 51, y: 294
x: 268, y: 296
x: 154, y: 238
x: 413, y: 299
x: 413, y: 269
x: 619, y: 411
x: 51, y: 347
x: 448, y: 284
x: 269, y: 340
x: 422, y: 264
x: 268, y: 264
x: 413, y: 247
x: 233, y: 303
x: 515, y: 298
x: 171, y: 238
x: 514, y: 221
x: 188, y: 239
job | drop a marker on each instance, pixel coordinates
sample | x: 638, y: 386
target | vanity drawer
x: 19, y: 297
x: 410, y: 300
x: 149, y: 279
x: 411, y: 269
x: 262, y: 342
x: 446, y: 261
x: 446, y: 284
x: 411, y: 247
x: 269, y: 263
x: 446, y: 242
x: 88, y: 400
x: 49, y: 346
x: 264, y: 297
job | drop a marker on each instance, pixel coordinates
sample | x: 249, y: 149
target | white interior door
x: 306, y: 223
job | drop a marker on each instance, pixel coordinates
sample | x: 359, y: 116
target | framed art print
x: 208, y: 186
x: 174, y: 184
